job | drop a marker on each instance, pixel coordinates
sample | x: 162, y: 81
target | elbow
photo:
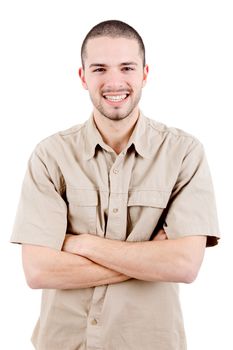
x: 33, y: 274
x: 190, y: 274
x: 33, y: 279
x: 189, y: 277
x: 192, y: 257
x: 33, y: 284
x: 34, y: 266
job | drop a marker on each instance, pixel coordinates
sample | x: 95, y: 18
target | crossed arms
x: 89, y: 260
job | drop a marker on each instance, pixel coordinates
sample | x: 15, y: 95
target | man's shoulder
x: 60, y: 138
x: 171, y: 132
x: 75, y: 129
x: 66, y: 133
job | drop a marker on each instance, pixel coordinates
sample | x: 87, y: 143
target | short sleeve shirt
x: 76, y: 183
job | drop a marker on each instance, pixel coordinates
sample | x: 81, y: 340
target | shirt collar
x: 139, y: 138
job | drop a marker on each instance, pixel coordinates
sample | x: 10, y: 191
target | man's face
x: 114, y: 76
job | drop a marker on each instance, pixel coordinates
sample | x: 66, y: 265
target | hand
x: 69, y: 244
x: 160, y: 236
x: 78, y: 243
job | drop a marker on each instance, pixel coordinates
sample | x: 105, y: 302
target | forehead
x: 104, y: 49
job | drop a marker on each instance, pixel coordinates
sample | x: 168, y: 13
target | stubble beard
x: 116, y: 113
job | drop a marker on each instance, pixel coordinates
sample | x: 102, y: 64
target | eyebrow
x: 105, y: 65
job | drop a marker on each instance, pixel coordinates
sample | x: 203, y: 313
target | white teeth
x: 116, y: 98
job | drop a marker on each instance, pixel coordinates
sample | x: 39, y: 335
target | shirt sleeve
x: 41, y: 217
x: 192, y: 209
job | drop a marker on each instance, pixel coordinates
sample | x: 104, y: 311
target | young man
x: 114, y: 213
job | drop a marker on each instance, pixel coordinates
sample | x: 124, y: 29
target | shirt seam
x: 168, y: 130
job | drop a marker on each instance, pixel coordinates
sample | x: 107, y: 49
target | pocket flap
x: 82, y: 197
x: 154, y: 198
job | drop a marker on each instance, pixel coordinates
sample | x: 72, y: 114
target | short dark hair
x: 113, y: 29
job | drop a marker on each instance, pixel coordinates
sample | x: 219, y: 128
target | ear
x: 81, y: 74
x: 145, y: 74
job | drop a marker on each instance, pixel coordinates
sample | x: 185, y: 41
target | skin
x: 113, y: 66
x: 48, y: 268
x: 176, y: 260
x: 115, y: 121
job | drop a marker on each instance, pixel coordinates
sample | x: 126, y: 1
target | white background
x: 190, y: 86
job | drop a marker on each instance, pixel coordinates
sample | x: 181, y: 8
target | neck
x: 116, y: 133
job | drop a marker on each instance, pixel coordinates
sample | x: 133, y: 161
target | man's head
x: 113, y: 68
x: 113, y: 29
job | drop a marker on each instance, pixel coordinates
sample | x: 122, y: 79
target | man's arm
x: 48, y: 268
x: 171, y: 260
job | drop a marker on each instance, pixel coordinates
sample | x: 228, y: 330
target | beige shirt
x: 75, y: 182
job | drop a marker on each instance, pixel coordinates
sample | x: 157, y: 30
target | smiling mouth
x: 116, y: 98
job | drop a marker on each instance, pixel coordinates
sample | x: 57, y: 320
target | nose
x: 114, y: 81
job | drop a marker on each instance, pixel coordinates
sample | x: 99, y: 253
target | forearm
x: 48, y: 268
x: 147, y: 261
x: 169, y: 260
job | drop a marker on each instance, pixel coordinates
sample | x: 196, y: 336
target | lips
x: 116, y: 98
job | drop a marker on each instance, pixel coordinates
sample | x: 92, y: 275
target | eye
x: 99, y: 70
x: 127, y: 69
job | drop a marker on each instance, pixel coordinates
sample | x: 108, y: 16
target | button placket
x: 115, y: 171
x: 117, y: 165
x: 119, y: 178
x: 94, y: 321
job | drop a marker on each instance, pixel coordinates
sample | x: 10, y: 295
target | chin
x: 116, y: 116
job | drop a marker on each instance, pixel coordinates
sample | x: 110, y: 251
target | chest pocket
x: 82, y: 210
x: 144, y: 208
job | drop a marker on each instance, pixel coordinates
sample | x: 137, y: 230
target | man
x: 114, y: 213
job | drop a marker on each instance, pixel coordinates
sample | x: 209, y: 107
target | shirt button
x: 115, y: 210
x: 116, y: 171
x: 94, y: 322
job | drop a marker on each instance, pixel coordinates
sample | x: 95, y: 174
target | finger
x: 161, y: 236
